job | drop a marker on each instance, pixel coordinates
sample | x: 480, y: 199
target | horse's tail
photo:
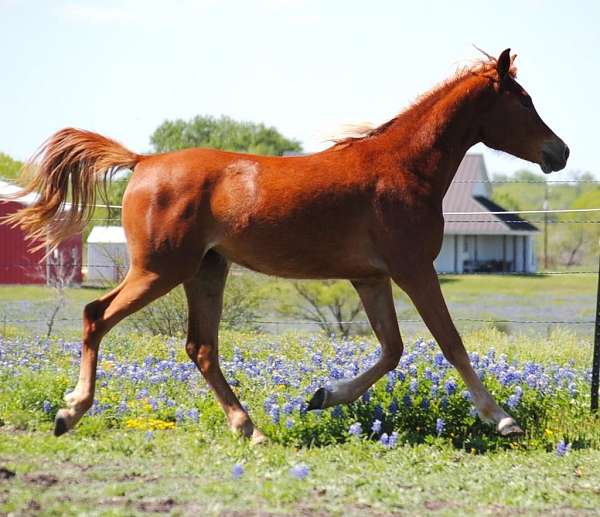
x: 72, y: 162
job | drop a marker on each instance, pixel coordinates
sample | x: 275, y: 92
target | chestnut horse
x: 368, y: 209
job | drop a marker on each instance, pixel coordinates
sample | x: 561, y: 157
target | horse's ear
x: 503, y: 64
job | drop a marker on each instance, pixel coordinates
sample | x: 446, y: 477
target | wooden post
x: 596, y: 359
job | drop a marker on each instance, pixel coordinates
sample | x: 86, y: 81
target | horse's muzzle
x: 555, y: 154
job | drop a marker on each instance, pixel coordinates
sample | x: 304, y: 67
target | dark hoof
x: 60, y: 426
x: 317, y: 400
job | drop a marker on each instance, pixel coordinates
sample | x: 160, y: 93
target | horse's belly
x: 297, y: 259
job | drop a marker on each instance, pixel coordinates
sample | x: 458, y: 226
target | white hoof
x: 508, y: 427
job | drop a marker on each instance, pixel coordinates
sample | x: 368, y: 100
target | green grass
x: 189, y: 472
x: 469, y: 297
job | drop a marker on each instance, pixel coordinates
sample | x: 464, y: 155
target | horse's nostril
x: 567, y: 152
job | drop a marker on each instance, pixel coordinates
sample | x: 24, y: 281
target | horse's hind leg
x: 139, y: 288
x: 376, y: 297
x: 205, y: 302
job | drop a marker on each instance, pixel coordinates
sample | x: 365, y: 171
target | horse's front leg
x: 376, y: 297
x: 424, y: 290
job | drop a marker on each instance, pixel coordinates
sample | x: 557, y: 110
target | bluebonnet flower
x: 450, y: 386
x: 425, y: 403
x: 299, y: 471
x: 179, y: 415
x: 237, y: 471
x: 274, y: 412
x: 406, y: 400
x: 149, y: 436
x: 562, y: 448
x: 378, y: 412
x: 414, y: 385
x: 47, y: 406
x: 193, y: 415
x: 153, y: 403
x: 337, y: 412
x: 289, y: 423
x: 376, y: 427
x: 366, y: 398
x: 384, y: 439
x: 393, y: 407
x: 355, y: 429
x: 440, y: 425
x: 393, y: 440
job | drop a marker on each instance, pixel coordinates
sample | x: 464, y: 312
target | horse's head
x: 512, y: 124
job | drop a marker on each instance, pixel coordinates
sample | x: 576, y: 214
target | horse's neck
x: 434, y: 140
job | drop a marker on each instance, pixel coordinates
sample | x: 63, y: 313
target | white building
x: 107, y: 257
x: 483, y: 242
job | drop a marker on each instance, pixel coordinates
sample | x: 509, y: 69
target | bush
x: 168, y: 315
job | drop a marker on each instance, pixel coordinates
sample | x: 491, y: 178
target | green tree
x: 221, y: 133
x: 577, y: 241
x: 333, y: 305
x: 9, y: 168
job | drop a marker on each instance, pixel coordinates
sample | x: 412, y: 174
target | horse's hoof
x: 507, y: 427
x: 258, y: 438
x: 60, y: 426
x: 318, y: 400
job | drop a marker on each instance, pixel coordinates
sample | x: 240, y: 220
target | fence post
x: 596, y: 359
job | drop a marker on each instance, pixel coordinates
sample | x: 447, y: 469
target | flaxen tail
x: 72, y: 162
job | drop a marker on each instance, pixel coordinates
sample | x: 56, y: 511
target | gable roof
x: 470, y: 191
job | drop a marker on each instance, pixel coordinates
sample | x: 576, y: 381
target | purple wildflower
x: 376, y: 427
x: 193, y: 415
x: 450, y: 386
x: 299, y: 471
x: 562, y: 448
x: 237, y: 471
x: 47, y: 406
x: 355, y: 429
x: 440, y: 425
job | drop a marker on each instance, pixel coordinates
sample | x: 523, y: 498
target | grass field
x: 155, y: 440
x: 469, y: 297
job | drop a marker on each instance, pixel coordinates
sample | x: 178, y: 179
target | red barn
x: 20, y: 266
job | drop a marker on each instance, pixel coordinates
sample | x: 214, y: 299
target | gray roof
x: 471, y: 192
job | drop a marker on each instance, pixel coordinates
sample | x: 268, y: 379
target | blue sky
x: 122, y: 67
